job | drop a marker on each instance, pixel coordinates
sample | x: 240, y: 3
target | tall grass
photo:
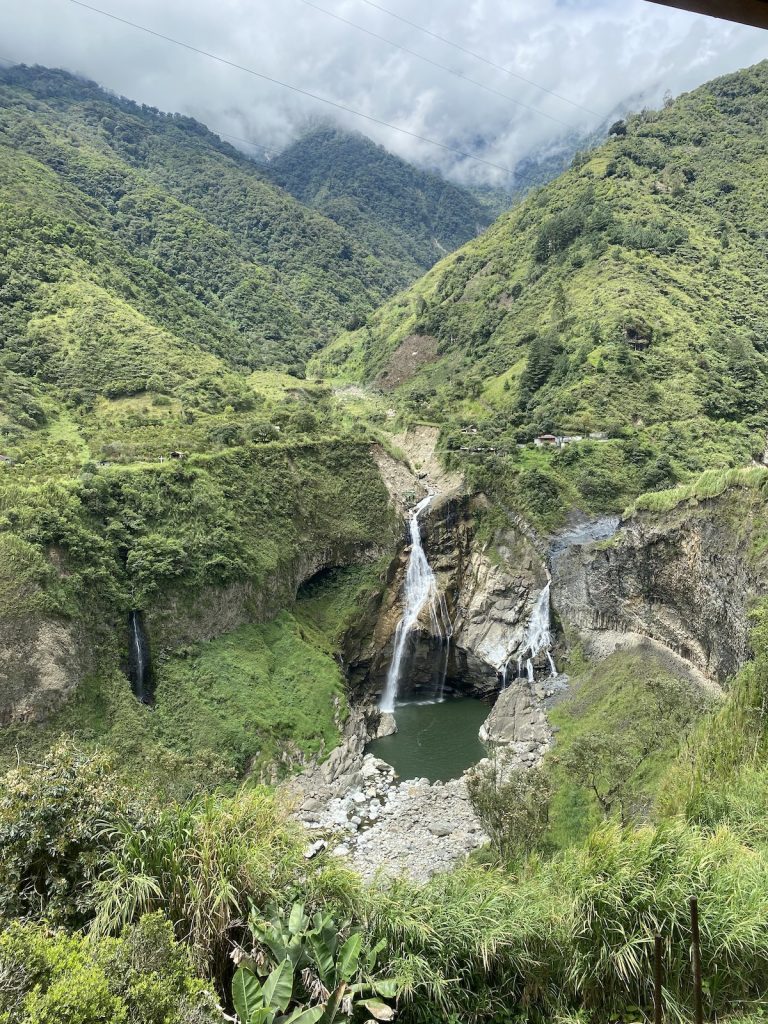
x: 576, y: 933
x: 205, y: 864
x: 710, y: 484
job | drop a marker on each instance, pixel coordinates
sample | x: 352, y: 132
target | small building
x: 178, y: 455
x: 545, y: 440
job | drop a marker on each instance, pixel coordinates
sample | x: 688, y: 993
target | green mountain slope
x: 407, y: 217
x: 623, y: 299
x: 165, y: 216
x: 154, y: 289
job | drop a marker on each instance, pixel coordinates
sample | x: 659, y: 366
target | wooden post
x: 658, y: 1013
x: 698, y: 1011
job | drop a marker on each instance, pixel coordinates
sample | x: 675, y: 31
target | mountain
x: 402, y: 214
x: 205, y: 572
x: 623, y: 300
x: 154, y: 211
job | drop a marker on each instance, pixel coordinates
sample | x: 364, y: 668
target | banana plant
x: 267, y: 1002
x: 338, y: 976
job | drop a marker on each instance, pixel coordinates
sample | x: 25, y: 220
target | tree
x: 606, y: 763
x: 512, y: 804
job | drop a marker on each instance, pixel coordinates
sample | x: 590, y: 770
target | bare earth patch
x: 410, y: 355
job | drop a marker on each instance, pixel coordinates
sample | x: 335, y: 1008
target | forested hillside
x: 624, y: 300
x: 402, y: 214
x: 170, y: 227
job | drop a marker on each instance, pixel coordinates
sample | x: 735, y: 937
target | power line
x: 214, y: 131
x: 478, y: 56
x: 434, y: 63
x: 294, y: 88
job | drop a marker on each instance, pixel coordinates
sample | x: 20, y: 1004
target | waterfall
x: 139, y: 662
x: 538, y: 637
x: 419, y: 589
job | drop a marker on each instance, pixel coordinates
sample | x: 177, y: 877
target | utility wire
x: 434, y: 63
x: 478, y: 56
x: 294, y: 88
x: 214, y: 131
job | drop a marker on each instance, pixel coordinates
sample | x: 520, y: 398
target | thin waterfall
x: 139, y: 661
x: 537, y: 638
x: 419, y: 589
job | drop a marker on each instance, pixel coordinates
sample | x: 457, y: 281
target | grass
x: 710, y: 484
x: 613, y: 699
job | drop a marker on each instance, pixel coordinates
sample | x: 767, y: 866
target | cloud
x: 597, y: 54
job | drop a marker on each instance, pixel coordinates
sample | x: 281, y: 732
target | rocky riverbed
x: 410, y: 828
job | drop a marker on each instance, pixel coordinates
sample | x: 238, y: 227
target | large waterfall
x: 139, y: 662
x: 420, y: 589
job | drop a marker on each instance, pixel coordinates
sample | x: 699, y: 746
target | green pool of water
x: 434, y: 741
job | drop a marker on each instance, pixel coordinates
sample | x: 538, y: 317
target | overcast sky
x: 598, y: 54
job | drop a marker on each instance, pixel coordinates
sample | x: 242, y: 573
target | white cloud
x: 598, y: 53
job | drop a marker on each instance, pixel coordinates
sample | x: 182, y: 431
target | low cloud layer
x: 603, y: 55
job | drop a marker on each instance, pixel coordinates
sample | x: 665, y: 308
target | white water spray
x: 419, y: 590
x: 537, y: 638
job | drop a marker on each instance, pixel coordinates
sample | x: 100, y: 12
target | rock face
x: 685, y: 579
x: 518, y: 721
x: 490, y: 591
x: 40, y: 664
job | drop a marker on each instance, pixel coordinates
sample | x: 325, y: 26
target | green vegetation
x: 618, y: 732
x: 622, y: 299
x: 144, y: 977
x: 408, y: 218
x: 711, y: 484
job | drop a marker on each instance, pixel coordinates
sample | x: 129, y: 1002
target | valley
x: 303, y: 602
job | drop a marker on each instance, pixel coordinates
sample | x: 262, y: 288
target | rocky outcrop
x: 384, y: 827
x: 40, y: 664
x: 184, y: 617
x: 518, y: 721
x: 685, y: 579
x: 490, y: 591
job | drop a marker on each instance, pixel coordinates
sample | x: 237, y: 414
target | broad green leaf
x: 378, y: 1009
x: 246, y: 993
x: 278, y: 988
x: 386, y: 987
x: 262, y: 1015
x: 297, y: 922
x: 299, y: 1016
x: 373, y: 954
x: 323, y: 957
x: 349, y: 954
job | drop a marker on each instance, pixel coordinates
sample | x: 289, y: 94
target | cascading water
x: 420, y: 589
x: 538, y: 638
x: 139, y: 661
